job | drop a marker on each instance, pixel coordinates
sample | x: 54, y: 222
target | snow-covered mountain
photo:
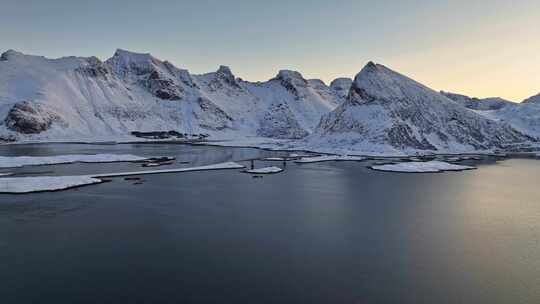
x: 482, y: 104
x: 386, y: 111
x: 524, y: 116
x: 74, y: 97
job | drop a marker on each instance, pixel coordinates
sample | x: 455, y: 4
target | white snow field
x: 220, y: 166
x: 326, y: 158
x: 266, y: 170
x: 421, y: 167
x: 20, y: 161
x: 19, y: 185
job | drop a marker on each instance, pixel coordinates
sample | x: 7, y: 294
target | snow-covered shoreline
x: 22, y: 185
x: 266, y: 170
x: 21, y: 161
x: 327, y: 158
x: 421, y: 167
x: 220, y: 166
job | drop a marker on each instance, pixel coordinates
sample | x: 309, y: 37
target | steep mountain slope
x: 386, y: 111
x: 524, y: 117
x: 73, y: 98
x: 294, y: 105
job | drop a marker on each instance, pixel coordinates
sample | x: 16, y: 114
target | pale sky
x: 480, y: 48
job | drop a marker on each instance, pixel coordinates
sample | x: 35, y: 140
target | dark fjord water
x: 317, y: 233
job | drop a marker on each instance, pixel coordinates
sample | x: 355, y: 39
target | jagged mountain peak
x: 225, y: 73
x: 132, y: 56
x: 385, y: 108
x: 224, y: 70
x: 124, y: 61
x: 289, y: 75
x: 376, y: 81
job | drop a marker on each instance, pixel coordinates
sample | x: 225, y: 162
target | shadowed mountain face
x: 387, y: 109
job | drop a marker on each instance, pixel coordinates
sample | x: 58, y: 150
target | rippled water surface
x: 317, y: 233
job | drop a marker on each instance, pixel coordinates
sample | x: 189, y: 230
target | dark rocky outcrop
x: 164, y: 87
x: 95, y: 69
x: 293, y: 82
x: 31, y: 118
x: 210, y: 116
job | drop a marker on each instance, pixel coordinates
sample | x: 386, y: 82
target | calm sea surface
x: 317, y: 233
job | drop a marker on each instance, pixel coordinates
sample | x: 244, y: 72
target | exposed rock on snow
x: 266, y: 170
x: 279, y: 122
x: 325, y: 158
x: 20, y: 161
x: 210, y: 116
x: 421, y: 167
x: 31, y: 117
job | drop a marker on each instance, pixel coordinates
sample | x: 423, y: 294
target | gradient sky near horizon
x: 480, y: 48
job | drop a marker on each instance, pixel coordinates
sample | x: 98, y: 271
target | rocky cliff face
x: 32, y: 118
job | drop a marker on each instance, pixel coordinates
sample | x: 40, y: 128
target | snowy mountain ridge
x: 74, y: 98
x: 482, y: 104
x: 387, y: 111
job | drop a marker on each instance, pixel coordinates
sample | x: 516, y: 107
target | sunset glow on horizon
x: 476, y: 48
